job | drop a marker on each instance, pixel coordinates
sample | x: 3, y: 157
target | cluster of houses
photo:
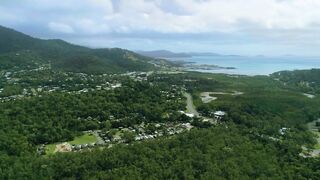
x: 218, y: 116
x: 7, y: 75
x: 83, y: 146
x: 11, y: 98
x: 105, y: 140
x: 106, y: 86
x: 168, y: 131
x: 138, y: 76
x: 42, y: 67
x: 66, y: 147
x: 84, y: 85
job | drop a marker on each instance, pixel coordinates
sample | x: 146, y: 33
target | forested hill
x: 20, y: 50
x: 306, y: 80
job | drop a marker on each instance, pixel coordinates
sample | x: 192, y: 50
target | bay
x: 257, y: 65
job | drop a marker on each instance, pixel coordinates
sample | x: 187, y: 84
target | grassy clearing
x: 118, y: 134
x: 84, y: 139
x: 50, y: 148
x: 317, y: 146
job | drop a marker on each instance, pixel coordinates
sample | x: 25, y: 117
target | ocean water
x: 258, y: 65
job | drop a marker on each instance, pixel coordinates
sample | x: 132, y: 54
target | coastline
x: 191, y: 65
x: 241, y: 65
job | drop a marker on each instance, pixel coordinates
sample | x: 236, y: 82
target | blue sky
x: 246, y: 27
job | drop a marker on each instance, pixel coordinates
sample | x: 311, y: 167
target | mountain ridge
x: 69, y: 57
x: 163, y: 54
x: 170, y: 54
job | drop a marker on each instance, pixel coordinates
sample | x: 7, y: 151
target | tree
x: 111, y: 133
x: 128, y: 136
x: 106, y: 125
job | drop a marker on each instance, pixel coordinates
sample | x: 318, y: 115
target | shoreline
x: 190, y: 65
x: 251, y: 66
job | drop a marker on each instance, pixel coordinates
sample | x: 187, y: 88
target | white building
x: 283, y: 130
x: 219, y: 114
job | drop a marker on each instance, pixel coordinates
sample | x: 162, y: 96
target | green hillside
x: 307, y: 81
x: 20, y: 50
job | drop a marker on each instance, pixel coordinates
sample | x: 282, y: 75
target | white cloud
x: 217, y: 15
x: 191, y: 16
x: 294, y: 22
x: 60, y: 27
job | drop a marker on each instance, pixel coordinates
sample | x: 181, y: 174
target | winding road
x: 190, y: 106
x: 313, y: 128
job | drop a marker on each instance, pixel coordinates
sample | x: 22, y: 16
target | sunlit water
x: 258, y: 65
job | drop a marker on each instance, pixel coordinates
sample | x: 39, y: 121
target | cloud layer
x: 239, y: 26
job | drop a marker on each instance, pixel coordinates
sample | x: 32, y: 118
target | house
x: 117, y: 85
x: 117, y: 138
x: 219, y: 114
x: 283, y: 130
x: 85, y: 145
x: 101, y: 143
x: 138, y: 138
x: 187, y: 126
x: 191, y: 115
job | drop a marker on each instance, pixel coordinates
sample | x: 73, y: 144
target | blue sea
x: 258, y: 65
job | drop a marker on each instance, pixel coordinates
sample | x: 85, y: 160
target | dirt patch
x: 64, y: 147
x: 207, y: 97
x: 311, y: 96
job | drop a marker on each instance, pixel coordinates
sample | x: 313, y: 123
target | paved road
x: 190, y: 107
x: 312, y: 127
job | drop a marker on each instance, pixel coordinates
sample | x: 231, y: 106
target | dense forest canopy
x: 305, y: 80
x: 66, y: 114
x: 246, y: 145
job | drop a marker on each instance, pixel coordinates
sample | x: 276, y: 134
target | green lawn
x: 50, y: 148
x: 118, y: 134
x: 84, y: 139
x: 317, y: 146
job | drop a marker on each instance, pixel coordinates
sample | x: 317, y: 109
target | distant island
x: 188, y: 65
x: 170, y: 54
x: 163, y: 54
x: 205, y: 67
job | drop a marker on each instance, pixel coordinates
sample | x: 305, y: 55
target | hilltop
x: 20, y: 50
x: 164, y: 54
